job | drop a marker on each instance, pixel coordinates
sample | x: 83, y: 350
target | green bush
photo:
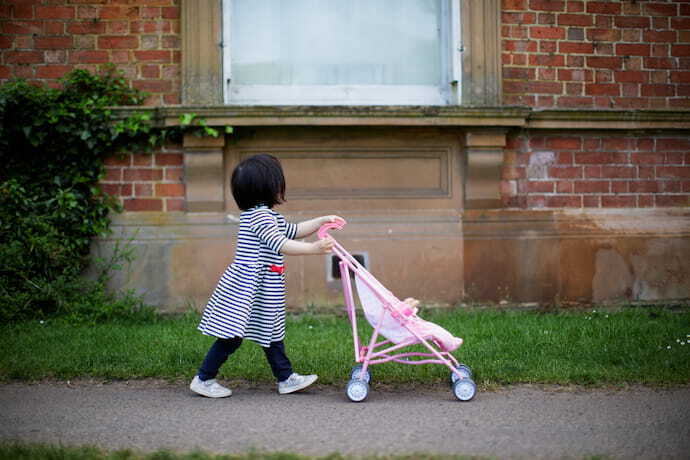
x: 52, y: 146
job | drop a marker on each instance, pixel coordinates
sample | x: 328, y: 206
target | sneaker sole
x: 295, y: 389
x: 209, y: 395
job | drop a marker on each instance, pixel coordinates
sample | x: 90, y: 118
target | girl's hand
x: 324, y: 246
x: 329, y: 219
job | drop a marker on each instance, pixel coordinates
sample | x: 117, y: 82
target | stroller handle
x: 337, y: 225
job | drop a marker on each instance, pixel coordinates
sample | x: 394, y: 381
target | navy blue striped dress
x: 249, y: 300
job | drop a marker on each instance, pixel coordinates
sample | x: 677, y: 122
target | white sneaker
x: 209, y: 388
x: 295, y: 382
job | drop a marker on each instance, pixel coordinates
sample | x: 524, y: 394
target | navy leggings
x: 221, y: 350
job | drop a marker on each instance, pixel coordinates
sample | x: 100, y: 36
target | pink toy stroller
x: 397, y: 322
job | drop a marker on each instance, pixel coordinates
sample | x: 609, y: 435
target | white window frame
x: 448, y: 93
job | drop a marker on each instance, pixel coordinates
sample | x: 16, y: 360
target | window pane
x: 336, y: 42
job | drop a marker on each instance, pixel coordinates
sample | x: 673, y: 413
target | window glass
x: 336, y: 42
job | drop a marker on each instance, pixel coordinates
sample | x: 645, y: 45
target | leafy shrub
x: 52, y: 146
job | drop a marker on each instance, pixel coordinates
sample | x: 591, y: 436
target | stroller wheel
x: 356, y: 370
x: 464, y: 370
x: 357, y: 390
x: 464, y: 389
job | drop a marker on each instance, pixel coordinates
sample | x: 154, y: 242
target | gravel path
x: 513, y: 422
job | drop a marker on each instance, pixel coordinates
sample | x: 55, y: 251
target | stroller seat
x: 392, y: 327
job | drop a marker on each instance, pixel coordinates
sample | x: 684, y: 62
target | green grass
x: 24, y: 451
x: 629, y: 345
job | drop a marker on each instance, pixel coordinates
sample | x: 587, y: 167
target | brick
x: 593, y: 172
x: 680, y: 77
x: 142, y: 174
x: 583, y: 20
x: 113, y: 174
x: 548, y: 46
x: 547, y: 5
x: 54, y: 12
x: 23, y: 57
x: 174, y: 174
x: 540, y: 187
x: 143, y: 204
x: 576, y: 33
x: 563, y: 201
x: 174, y: 205
x: 170, y: 12
x: 575, y: 75
x: 605, y: 62
x: 670, y: 186
x: 663, y: 144
x: 645, y: 201
x: 632, y: 50
x: 565, y: 172
x: 161, y: 56
x: 118, y: 42
x: 604, y: 35
x: 659, y: 36
x: 680, y: 23
x: 53, y: 43
x: 591, y: 201
x: 660, y: 9
x: 604, y: 7
x: 644, y: 186
x: 616, y: 143
x: 659, y: 63
x: 672, y: 200
x: 538, y: 32
x: 511, y: 5
x: 673, y: 172
x: 575, y: 102
x: 674, y: 158
x: 564, y: 143
x: 169, y: 159
x: 118, y: 160
x: 618, y: 201
x: 88, y: 57
x: 52, y: 71
x: 150, y: 71
x: 602, y: 89
x: 630, y: 102
x: 680, y: 50
x: 575, y: 47
x: 592, y: 186
x: 545, y: 87
x: 636, y: 22
x: 658, y: 90
x: 564, y: 187
x: 142, y: 160
x: 633, y: 76
x: 520, y: 45
x: 600, y: 158
x: 86, y: 27
x: 174, y: 190
x: 619, y: 186
x: 547, y: 60
x: 619, y: 172
x: 143, y: 190
x: 153, y: 86
x: 117, y: 12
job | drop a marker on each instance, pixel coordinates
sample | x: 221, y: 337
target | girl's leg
x: 219, y: 352
x: 278, y: 360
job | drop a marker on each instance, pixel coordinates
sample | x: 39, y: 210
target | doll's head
x: 258, y: 180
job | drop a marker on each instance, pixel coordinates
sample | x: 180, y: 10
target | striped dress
x: 249, y: 300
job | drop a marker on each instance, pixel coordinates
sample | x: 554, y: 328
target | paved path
x: 513, y: 422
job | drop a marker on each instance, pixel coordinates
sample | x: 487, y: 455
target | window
x: 341, y: 52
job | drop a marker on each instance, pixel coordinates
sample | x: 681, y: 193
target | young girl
x: 249, y: 300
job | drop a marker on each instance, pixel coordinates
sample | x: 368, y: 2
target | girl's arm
x: 299, y: 248
x: 308, y: 227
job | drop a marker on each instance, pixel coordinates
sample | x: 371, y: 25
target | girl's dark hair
x: 258, y: 180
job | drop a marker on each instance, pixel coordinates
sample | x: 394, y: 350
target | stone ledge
x: 457, y: 116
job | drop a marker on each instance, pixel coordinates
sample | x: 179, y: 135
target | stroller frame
x: 378, y: 352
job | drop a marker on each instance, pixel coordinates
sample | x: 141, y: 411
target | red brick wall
x: 596, y: 54
x: 594, y: 171
x: 146, y: 182
x: 41, y: 40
